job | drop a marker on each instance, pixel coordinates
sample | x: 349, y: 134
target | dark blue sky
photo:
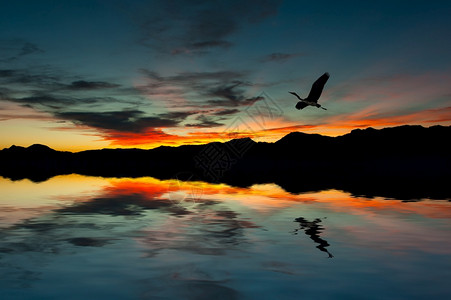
x: 87, y: 74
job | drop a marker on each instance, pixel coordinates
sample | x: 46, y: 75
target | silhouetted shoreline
x: 405, y: 162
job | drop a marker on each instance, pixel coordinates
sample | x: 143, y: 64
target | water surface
x: 76, y: 237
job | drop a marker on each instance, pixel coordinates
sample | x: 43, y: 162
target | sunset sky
x: 78, y: 75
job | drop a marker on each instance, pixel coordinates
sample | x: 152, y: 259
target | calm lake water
x: 77, y: 237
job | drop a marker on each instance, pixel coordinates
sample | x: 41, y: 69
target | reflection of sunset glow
x: 270, y: 196
x: 375, y: 222
x: 205, y: 218
x: 261, y: 197
x: 25, y: 199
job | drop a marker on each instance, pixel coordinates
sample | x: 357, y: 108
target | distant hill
x: 404, y: 162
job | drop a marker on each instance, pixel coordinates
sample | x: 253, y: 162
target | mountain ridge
x: 297, y: 134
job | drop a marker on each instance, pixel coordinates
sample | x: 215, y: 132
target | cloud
x: 49, y: 80
x: 49, y: 90
x: 396, y: 89
x: 230, y: 95
x: 14, y: 49
x: 279, y: 57
x: 198, y: 27
x: 204, y: 122
x: 44, y: 103
x: 177, y: 115
x: 6, y: 73
x: 10, y: 110
x: 133, y: 121
x: 43, y: 99
x: 221, y: 88
x: 55, y: 103
x: 91, y: 85
x: 4, y: 93
x: 29, y: 48
x: 189, y: 78
x: 201, y: 47
x: 79, y: 102
x: 27, y: 78
x: 226, y: 112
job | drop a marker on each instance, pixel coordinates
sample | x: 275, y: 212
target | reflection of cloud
x: 220, y: 231
x: 127, y: 211
x: 386, y: 232
x: 207, y: 228
x: 122, y: 205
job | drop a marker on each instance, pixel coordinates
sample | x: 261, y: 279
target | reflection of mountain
x: 404, y: 162
x: 313, y: 229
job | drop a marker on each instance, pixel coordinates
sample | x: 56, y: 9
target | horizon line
x: 231, y: 139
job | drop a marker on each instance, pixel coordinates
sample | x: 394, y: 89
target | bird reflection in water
x: 313, y: 229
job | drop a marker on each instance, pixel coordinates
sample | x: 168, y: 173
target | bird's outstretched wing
x: 317, y: 88
x: 301, y: 105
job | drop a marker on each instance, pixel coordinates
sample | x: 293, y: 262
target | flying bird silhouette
x: 315, y: 93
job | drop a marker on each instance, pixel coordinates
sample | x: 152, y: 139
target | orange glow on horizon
x: 276, y: 129
x: 70, y: 137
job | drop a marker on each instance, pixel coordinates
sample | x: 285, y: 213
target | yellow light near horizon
x: 48, y: 192
x: 24, y: 199
x: 24, y: 133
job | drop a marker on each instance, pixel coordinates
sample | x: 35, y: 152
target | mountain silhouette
x: 405, y: 162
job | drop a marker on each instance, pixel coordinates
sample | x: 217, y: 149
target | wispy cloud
x: 205, y: 122
x: 133, y: 121
x: 14, y: 49
x: 91, y: 85
x: 198, y: 27
x: 29, y: 79
x: 51, y: 91
x: 279, y: 57
x: 226, y: 112
x: 395, y: 90
x: 48, y: 80
x: 211, y: 89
